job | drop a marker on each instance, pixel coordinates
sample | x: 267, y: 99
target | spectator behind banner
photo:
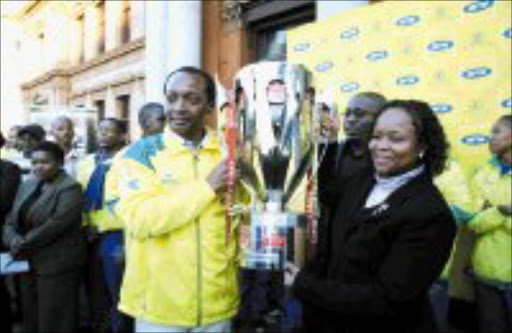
x: 180, y: 274
x: 63, y: 131
x: 44, y: 228
x: 103, y: 230
x: 29, y: 137
x: 390, y: 236
x: 492, y: 258
x: 10, y: 180
x: 152, y: 119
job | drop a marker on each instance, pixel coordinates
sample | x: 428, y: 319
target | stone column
x: 185, y: 37
x: 113, y: 11
x: 91, y: 31
x: 156, y: 50
x: 326, y: 8
x: 137, y: 18
x: 110, y: 103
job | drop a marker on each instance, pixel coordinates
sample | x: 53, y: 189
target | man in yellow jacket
x: 180, y: 275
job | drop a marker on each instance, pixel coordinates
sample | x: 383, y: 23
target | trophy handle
x: 299, y: 174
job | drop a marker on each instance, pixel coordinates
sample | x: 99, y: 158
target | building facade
x: 112, y: 56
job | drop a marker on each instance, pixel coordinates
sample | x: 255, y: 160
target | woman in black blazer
x: 390, y: 236
x: 43, y: 227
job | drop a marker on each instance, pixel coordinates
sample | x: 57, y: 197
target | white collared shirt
x: 384, y: 187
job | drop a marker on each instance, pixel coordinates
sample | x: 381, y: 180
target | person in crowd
x: 29, y: 136
x: 454, y: 186
x: 351, y: 155
x: 44, y: 228
x: 11, y: 147
x: 390, y: 236
x: 103, y: 230
x: 63, y: 131
x: 491, y: 258
x: 10, y: 176
x: 152, y: 119
x: 180, y: 276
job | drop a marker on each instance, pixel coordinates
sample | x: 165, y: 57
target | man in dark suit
x: 346, y: 158
x: 10, y: 177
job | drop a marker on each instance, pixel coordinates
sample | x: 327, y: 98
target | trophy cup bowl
x: 274, y: 120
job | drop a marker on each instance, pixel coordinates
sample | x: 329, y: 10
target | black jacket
x: 53, y: 238
x: 10, y: 177
x: 376, y: 270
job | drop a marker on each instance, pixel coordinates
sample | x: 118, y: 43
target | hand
x: 17, y: 247
x: 505, y: 209
x: 91, y: 233
x: 218, y: 178
x: 487, y: 204
x: 330, y: 126
x: 290, y: 273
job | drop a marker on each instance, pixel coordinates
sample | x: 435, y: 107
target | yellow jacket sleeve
x: 150, y: 209
x: 487, y: 220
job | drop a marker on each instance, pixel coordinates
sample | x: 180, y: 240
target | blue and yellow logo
x: 508, y: 33
x: 349, y: 87
x: 302, y: 47
x: 478, y: 6
x: 377, y: 55
x: 406, y: 21
x: 440, y: 45
x: 475, y: 139
x: 407, y: 80
x: 442, y: 108
x: 351, y: 33
x: 324, y: 66
x: 477, y: 72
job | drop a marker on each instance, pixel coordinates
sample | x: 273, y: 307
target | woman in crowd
x: 391, y: 234
x: 10, y: 177
x: 492, y: 257
x: 44, y: 228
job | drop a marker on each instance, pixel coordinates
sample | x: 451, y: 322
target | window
x: 267, y: 24
x: 101, y: 27
x: 100, y: 108
x: 81, y: 39
x: 123, y: 107
x: 125, y: 22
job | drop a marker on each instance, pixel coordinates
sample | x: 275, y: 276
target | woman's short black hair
x: 507, y: 118
x: 429, y: 133
x: 211, y: 91
x: 53, y: 149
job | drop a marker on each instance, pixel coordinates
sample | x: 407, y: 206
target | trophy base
x: 276, y: 237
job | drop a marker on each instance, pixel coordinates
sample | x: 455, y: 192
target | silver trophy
x: 276, y: 144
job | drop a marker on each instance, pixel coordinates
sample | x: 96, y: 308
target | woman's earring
x: 422, y: 154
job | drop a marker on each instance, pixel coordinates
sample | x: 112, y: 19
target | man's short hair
x: 378, y: 98
x: 35, y: 131
x: 122, y: 125
x: 211, y: 91
x: 147, y: 109
x: 2, y: 140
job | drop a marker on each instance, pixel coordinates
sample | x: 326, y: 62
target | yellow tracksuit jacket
x: 179, y: 271
x: 492, y: 255
x: 103, y: 219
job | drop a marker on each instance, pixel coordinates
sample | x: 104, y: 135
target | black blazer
x: 376, y: 271
x: 53, y: 237
x: 10, y: 177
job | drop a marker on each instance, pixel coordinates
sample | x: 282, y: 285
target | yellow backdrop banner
x: 455, y: 55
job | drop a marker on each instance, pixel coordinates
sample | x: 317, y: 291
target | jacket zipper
x: 199, y: 256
